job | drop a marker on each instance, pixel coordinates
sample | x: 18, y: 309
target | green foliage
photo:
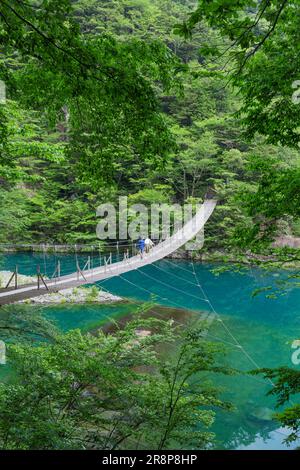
x: 260, y: 55
x: 106, y: 85
x: 13, y: 221
x: 286, y: 386
x: 111, y: 391
x: 84, y: 143
x: 20, y: 323
x: 92, y: 294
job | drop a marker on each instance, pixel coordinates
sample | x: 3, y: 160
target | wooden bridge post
x: 79, y: 271
x: 99, y: 249
x: 16, y: 277
x: 89, y: 264
x: 40, y: 278
x: 56, y: 274
x: 107, y: 261
x: 92, y: 262
x: 44, y: 255
x: 76, y: 256
x: 38, y: 271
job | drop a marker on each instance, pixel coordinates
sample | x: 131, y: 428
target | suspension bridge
x: 109, y: 269
x: 90, y: 275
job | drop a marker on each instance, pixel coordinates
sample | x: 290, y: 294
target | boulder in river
x: 261, y: 414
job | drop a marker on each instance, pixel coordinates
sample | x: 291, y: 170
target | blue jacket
x: 141, y: 244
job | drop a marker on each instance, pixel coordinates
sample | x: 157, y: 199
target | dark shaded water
x: 256, y: 331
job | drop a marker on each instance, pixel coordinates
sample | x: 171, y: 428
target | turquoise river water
x: 255, y: 330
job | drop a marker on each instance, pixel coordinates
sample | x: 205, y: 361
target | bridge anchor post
x: 16, y: 277
x: 40, y: 278
x: 56, y: 274
x: 79, y: 271
x: 13, y: 276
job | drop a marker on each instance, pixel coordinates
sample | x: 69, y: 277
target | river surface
x: 257, y: 331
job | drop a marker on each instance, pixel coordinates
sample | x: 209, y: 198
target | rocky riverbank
x: 77, y: 295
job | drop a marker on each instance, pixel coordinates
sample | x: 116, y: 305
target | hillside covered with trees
x: 70, y: 144
x: 163, y: 101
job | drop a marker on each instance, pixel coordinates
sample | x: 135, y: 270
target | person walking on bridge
x: 148, y: 244
x: 141, y: 246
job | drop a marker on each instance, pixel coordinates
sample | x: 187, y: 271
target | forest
x: 162, y: 101
x: 52, y: 180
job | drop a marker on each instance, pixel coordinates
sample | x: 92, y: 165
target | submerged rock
x: 262, y: 414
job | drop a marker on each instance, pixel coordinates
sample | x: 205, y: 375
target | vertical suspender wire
x: 76, y: 257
